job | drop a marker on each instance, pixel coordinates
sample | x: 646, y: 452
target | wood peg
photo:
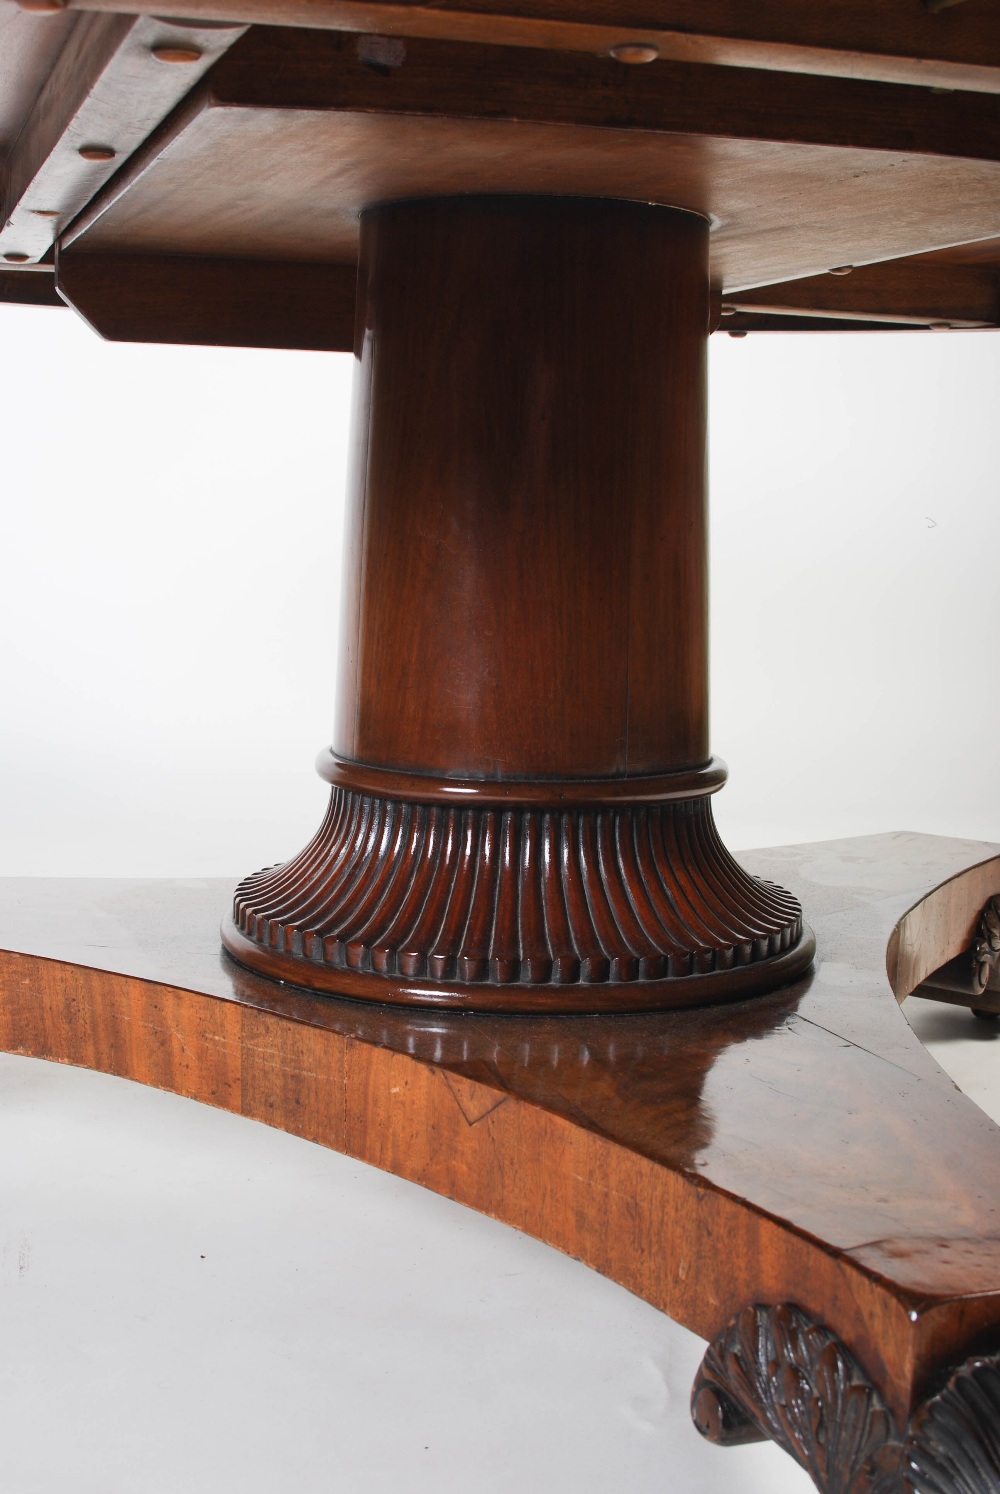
x: 169, y: 53
x: 841, y: 270
x: 635, y: 52
x: 97, y: 152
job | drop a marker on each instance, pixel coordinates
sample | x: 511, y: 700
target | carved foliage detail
x: 775, y: 1374
x: 986, y: 947
x: 630, y: 893
x: 954, y: 1441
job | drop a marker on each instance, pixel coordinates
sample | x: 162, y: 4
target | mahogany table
x: 526, y: 219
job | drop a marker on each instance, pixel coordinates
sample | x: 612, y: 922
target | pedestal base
x: 526, y: 908
x: 520, y: 819
x: 793, y: 1178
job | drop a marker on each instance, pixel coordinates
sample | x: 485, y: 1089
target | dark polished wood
x: 803, y: 1147
x: 525, y: 621
x: 776, y: 1374
x: 219, y: 302
x: 38, y: 289
x: 564, y: 793
x: 525, y: 606
x: 526, y: 589
x: 523, y: 909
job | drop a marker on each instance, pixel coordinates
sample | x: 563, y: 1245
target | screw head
x: 97, y: 152
x: 45, y: 212
x: 16, y: 259
x: 167, y: 53
x: 728, y: 310
x: 738, y: 332
x: 841, y: 270
x: 635, y: 52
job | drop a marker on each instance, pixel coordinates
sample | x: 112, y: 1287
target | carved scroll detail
x: 775, y: 1374
x: 628, y: 895
x: 986, y: 948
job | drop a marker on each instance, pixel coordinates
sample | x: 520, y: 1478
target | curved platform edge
x: 690, y: 1249
x: 702, y: 1159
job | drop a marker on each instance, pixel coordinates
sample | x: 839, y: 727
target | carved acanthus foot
x: 972, y: 978
x: 954, y: 1441
x: 775, y: 1374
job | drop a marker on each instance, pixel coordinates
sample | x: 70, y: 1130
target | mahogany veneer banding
x: 520, y: 817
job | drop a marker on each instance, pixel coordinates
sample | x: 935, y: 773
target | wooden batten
x: 105, y: 90
x: 917, y: 291
x: 277, y: 153
x: 901, y: 42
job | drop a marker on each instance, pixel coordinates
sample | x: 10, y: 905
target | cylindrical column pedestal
x: 520, y: 816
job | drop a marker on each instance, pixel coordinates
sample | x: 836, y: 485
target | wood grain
x: 893, y: 41
x: 527, y: 558
x: 104, y: 89
x: 525, y: 606
x: 296, y: 134
x: 219, y: 302
x: 29, y: 46
x: 919, y: 291
x: 803, y: 1147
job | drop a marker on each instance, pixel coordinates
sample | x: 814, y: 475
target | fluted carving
x: 954, y: 1442
x: 483, y: 900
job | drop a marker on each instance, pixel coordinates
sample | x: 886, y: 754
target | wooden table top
x: 847, y: 155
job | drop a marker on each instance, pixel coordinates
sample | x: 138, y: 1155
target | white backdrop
x: 172, y: 561
x: 191, y: 1301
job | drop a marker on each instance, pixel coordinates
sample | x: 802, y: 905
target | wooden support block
x: 894, y: 41
x: 920, y: 291
x: 220, y: 302
x: 35, y: 289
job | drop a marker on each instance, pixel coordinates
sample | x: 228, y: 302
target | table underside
x: 223, y: 202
